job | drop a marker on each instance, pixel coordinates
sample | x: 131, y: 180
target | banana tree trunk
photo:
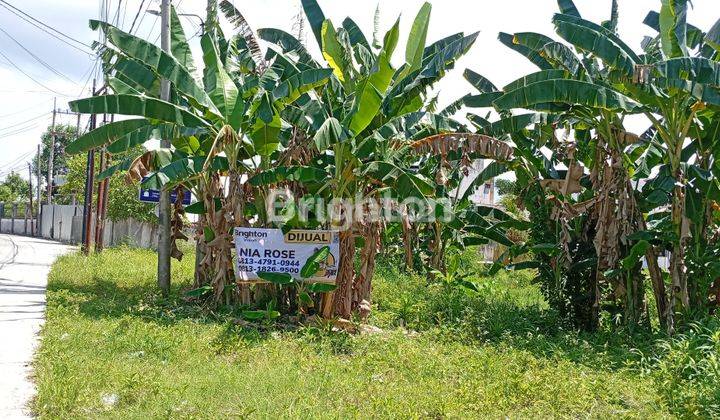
x: 679, y: 296
x: 200, y: 251
x: 342, y: 296
x: 362, y: 287
x: 219, y: 247
x: 407, y: 239
x: 658, y: 283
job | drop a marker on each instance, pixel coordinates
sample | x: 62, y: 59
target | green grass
x: 112, y: 348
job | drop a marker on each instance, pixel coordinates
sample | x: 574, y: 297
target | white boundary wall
x: 64, y: 223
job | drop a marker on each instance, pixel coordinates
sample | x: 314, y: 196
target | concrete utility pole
x: 39, y: 193
x: 89, y: 180
x: 30, y: 194
x: 51, y: 159
x: 164, y: 205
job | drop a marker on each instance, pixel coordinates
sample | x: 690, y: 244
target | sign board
x: 153, y: 196
x: 269, y: 250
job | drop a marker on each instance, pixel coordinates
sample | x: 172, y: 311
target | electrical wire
x: 46, y: 31
x: 20, y: 131
x: 15, y: 161
x: 46, y: 25
x: 132, y: 26
x: 30, y: 77
x: 22, y: 110
x: 44, y: 114
x: 38, y: 59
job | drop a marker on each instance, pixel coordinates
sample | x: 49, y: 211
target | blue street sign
x: 153, y: 196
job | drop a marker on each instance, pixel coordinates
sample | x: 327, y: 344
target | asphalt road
x: 24, y: 266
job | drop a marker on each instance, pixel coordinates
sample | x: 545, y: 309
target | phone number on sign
x: 269, y: 262
x: 268, y: 269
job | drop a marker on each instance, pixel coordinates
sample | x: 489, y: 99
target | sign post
x: 271, y: 251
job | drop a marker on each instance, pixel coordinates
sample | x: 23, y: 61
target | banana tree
x: 574, y: 88
x: 354, y: 121
x: 680, y: 85
x: 224, y: 126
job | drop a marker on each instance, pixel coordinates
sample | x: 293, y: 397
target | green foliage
x: 64, y: 135
x: 14, y: 189
x: 112, y: 347
x: 123, y: 200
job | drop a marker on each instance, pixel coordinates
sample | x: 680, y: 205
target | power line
x: 15, y: 161
x: 140, y: 9
x: 25, y: 122
x: 28, y: 76
x: 45, y: 30
x: 38, y: 59
x: 19, y: 131
x: 22, y: 110
x: 47, y: 26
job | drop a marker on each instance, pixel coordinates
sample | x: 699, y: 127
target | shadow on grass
x: 505, y: 317
x: 447, y: 314
x: 105, y: 299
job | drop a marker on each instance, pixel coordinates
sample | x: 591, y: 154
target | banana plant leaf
x: 138, y: 137
x: 355, y: 34
x: 453, y: 107
x: 507, y: 219
x: 483, y: 100
x: 614, y: 15
x: 370, y: 91
x: 124, y: 165
x: 601, y: 30
x: 536, y: 77
x: 335, y: 54
x: 288, y: 44
x: 180, y: 170
x: 478, y: 121
x: 532, y: 40
x: 560, y: 53
x: 411, y: 87
x: 564, y: 91
x: 221, y: 89
x: 179, y: 46
x: 693, y: 69
x: 673, y: 28
x: 161, y: 62
x: 479, y: 82
x: 712, y: 38
x: 567, y: 7
x: 295, y: 86
x: 415, y: 47
x: 266, y: 129
x: 600, y: 45
x: 304, y: 174
x: 121, y: 88
x: 245, y: 31
x: 516, y: 123
x: 694, y: 34
x: 405, y: 184
x: 106, y: 134
x: 140, y: 106
x: 136, y: 75
x: 533, y: 56
x: 433, y: 49
x: 316, y: 18
x: 331, y: 132
x: 492, y: 170
x: 705, y: 93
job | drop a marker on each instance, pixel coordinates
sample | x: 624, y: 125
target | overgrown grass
x: 113, y: 348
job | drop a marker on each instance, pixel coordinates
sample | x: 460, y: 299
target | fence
x: 64, y: 223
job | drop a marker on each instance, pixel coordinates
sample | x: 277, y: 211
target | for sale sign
x: 269, y: 250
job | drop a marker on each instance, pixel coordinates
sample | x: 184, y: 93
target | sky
x: 27, y: 99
